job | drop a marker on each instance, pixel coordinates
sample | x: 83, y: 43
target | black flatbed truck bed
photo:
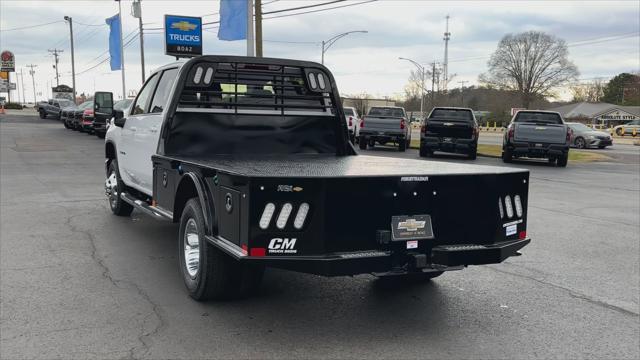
x: 353, y: 200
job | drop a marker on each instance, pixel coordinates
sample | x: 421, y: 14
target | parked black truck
x: 450, y: 129
x: 251, y: 157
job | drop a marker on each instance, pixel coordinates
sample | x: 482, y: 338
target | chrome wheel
x: 580, y: 143
x: 111, y: 189
x: 191, y: 248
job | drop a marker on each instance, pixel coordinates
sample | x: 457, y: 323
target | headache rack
x: 255, y: 88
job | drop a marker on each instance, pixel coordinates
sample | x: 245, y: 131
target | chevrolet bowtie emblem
x: 411, y: 225
x: 183, y: 26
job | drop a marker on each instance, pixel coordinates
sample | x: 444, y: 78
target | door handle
x: 153, y: 129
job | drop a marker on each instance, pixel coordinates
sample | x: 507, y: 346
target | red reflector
x: 244, y: 249
x: 522, y: 235
x: 258, y: 252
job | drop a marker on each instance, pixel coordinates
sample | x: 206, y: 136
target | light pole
x: 73, y: 62
x: 422, y: 74
x: 326, y: 44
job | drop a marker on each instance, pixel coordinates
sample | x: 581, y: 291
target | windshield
x: 122, y: 104
x: 385, y: 111
x: 348, y: 111
x: 538, y: 117
x: 65, y: 103
x: 86, y: 105
x: 579, y: 127
x: 452, y: 114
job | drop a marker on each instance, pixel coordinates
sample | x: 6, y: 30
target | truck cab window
x: 164, y: 88
x: 142, y: 102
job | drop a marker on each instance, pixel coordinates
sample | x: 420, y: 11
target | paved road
x: 77, y: 282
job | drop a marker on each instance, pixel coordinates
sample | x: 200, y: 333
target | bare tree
x: 532, y: 63
x: 360, y: 102
x: 590, y: 92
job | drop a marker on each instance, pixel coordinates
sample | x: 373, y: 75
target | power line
x: 319, y: 10
x: 303, y: 7
x: 32, y: 26
x: 83, y: 24
x: 300, y: 13
x: 107, y: 58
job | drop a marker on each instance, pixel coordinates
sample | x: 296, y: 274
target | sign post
x: 182, y: 36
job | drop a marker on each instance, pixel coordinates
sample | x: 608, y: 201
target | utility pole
x: 33, y: 82
x: 73, y: 61
x: 250, y: 36
x: 433, y: 84
x: 258, y: 28
x: 136, y: 8
x: 56, y: 54
x: 124, y: 91
x: 445, y: 66
x: 461, y: 82
x: 24, y: 99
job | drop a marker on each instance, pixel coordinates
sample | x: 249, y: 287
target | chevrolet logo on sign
x: 184, y: 26
x: 411, y: 225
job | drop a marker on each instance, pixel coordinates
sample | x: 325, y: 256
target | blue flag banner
x: 115, y: 46
x: 233, y: 20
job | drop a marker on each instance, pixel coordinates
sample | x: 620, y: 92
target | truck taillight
x: 476, y: 132
x: 362, y: 122
x: 402, y: 124
x: 511, y: 132
x: 569, y: 133
x: 350, y: 121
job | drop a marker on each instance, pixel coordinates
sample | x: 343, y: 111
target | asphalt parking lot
x: 77, y: 282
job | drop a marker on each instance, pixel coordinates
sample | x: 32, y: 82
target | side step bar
x: 152, y: 211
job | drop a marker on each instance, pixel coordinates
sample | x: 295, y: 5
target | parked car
x: 83, y: 117
x: 537, y: 134
x: 628, y: 128
x: 273, y: 181
x: 101, y: 124
x: 384, y: 124
x: 450, y: 129
x: 53, y: 108
x: 353, y: 122
x: 585, y: 137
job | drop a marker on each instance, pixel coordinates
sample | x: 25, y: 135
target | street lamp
x: 422, y: 74
x: 326, y: 44
x: 73, y: 62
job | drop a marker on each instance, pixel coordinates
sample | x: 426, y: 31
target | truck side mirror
x: 103, y: 103
x: 118, y: 118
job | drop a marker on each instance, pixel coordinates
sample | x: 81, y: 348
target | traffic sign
x: 182, y: 36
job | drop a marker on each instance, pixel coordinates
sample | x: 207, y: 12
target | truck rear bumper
x: 445, y: 144
x: 382, y: 135
x: 443, y: 258
x: 537, y: 150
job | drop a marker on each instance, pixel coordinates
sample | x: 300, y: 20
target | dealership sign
x: 182, y: 36
x: 617, y: 115
x: 7, y: 61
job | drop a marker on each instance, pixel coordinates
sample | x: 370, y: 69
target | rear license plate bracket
x: 415, y: 227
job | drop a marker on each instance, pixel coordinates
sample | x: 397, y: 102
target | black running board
x: 144, y: 207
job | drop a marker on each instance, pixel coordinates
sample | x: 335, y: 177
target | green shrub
x: 13, y: 106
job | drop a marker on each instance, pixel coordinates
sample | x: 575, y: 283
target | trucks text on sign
x: 183, y: 35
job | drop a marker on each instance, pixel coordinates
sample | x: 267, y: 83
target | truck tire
x: 362, y: 143
x: 209, y: 273
x: 507, y: 155
x: 113, y: 187
x: 473, y: 154
x: 66, y: 125
x: 43, y: 114
x: 402, y: 145
x: 563, y: 159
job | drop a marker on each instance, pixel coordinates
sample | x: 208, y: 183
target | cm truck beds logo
x: 282, y: 246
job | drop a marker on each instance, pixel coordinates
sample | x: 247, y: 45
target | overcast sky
x: 604, y: 38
